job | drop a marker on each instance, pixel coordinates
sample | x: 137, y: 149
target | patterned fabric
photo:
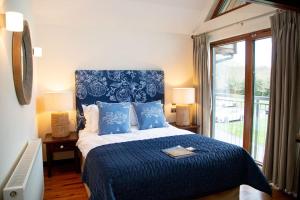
x: 114, y: 86
x: 139, y: 170
x: 150, y: 115
x: 113, y: 118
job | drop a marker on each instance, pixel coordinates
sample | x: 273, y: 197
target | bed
x: 132, y: 165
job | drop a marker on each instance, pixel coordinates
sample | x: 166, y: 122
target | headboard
x: 116, y: 86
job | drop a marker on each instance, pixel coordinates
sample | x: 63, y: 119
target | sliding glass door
x: 228, y: 92
x: 240, y: 87
x: 262, y: 72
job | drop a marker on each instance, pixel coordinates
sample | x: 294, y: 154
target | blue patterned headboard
x: 116, y: 86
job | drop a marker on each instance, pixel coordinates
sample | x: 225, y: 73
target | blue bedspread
x: 139, y: 170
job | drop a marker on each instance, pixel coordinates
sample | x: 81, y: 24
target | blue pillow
x: 113, y: 118
x: 150, y: 115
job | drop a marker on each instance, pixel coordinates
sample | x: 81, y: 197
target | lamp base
x: 60, y: 124
x: 183, y: 115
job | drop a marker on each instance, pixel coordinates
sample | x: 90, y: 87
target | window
x: 241, y: 68
x: 225, y: 6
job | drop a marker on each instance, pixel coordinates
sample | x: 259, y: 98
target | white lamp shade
x: 14, y: 21
x: 183, y: 95
x: 58, y: 101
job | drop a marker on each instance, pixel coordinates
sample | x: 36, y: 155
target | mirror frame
x: 22, y: 73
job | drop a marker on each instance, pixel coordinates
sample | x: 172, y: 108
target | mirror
x: 22, y: 64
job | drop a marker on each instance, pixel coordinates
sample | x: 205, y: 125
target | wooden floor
x: 66, y: 184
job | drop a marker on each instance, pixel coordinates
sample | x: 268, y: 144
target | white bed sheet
x: 88, y: 141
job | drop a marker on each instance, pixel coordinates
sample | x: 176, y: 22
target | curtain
x: 201, y: 79
x: 284, y: 114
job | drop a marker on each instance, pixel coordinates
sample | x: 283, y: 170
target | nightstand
x: 60, y: 145
x: 193, y: 127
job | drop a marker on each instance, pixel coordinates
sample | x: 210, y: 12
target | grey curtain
x: 201, y: 79
x: 284, y: 118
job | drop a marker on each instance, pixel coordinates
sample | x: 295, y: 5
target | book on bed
x: 178, y: 152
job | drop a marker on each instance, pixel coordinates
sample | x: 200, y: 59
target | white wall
x: 240, y: 28
x: 67, y: 47
x: 17, y: 123
x: 247, y: 19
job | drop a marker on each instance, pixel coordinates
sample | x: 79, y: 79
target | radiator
x: 27, y: 179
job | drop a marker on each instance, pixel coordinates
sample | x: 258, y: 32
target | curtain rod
x: 262, y: 15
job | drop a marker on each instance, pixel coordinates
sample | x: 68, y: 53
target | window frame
x: 249, y: 39
x: 215, y: 13
x: 285, y: 5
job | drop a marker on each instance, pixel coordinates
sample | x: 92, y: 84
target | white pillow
x: 133, y: 119
x: 91, y: 114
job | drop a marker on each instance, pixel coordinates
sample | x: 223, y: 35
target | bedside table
x: 60, y: 145
x: 193, y: 127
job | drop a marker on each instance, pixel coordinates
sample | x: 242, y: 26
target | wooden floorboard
x: 66, y: 184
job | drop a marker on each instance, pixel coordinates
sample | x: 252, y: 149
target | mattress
x: 89, y: 140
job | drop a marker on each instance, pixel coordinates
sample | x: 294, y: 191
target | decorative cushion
x: 114, y: 118
x: 150, y: 115
x: 91, y: 114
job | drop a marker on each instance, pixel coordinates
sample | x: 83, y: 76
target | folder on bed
x: 178, y: 152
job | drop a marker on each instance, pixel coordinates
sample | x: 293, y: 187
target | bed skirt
x: 232, y: 194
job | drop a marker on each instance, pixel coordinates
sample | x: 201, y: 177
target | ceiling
x: 167, y: 16
x: 171, y: 16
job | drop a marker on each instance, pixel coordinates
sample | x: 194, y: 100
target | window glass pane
x: 262, y: 69
x: 228, y: 92
x: 228, y: 5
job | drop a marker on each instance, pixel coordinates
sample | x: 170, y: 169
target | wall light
x: 37, y: 52
x: 12, y: 21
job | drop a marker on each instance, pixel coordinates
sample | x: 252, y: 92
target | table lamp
x: 183, y: 98
x: 59, y: 103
